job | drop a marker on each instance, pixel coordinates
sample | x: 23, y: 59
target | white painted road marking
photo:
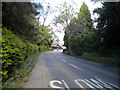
x: 76, y: 81
x: 107, y: 85
x: 97, y: 83
x: 80, y: 80
x: 55, y: 81
x: 66, y: 86
x: 58, y: 57
x: 91, y: 83
x: 63, y: 60
x: 59, y: 82
x: 114, y: 86
x: 75, y: 67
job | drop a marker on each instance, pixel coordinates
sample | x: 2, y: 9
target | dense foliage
x: 14, y: 51
x: 22, y: 35
x: 20, y: 18
x: 80, y: 36
x: 108, y: 27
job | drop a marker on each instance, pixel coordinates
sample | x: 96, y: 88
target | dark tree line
x: 108, y: 26
x: 80, y: 36
x: 20, y: 18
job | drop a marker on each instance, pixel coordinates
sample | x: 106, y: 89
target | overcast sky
x: 91, y: 5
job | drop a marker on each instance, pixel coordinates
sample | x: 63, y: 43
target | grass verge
x: 21, y: 75
x: 114, y: 62
x: 104, y: 60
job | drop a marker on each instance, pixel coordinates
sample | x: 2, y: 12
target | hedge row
x: 14, y: 51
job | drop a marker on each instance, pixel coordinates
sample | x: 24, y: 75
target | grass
x: 20, y: 76
x: 114, y: 62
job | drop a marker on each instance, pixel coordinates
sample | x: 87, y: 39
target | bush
x: 14, y: 51
x: 93, y: 54
x: 43, y: 48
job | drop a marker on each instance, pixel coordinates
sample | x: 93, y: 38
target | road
x: 57, y: 70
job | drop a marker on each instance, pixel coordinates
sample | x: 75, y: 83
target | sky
x: 91, y: 5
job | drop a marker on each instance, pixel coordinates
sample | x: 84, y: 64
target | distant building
x: 58, y: 47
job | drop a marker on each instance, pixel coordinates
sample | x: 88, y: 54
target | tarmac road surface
x: 57, y: 70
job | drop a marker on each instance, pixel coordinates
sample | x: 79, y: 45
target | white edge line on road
x: 75, y: 67
x: 66, y: 86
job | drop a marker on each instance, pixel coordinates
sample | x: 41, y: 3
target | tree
x: 78, y: 30
x: 108, y: 24
x: 44, y: 14
x: 20, y: 18
x: 44, y: 37
x: 84, y: 19
x: 67, y: 12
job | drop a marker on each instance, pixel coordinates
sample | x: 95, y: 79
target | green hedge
x: 44, y: 48
x: 14, y: 51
